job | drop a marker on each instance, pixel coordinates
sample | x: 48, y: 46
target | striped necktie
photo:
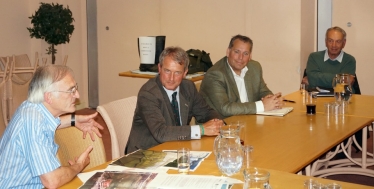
x: 174, y: 105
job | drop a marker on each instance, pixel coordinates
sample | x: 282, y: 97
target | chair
x: 3, y: 100
x: 20, y: 74
x: 118, y: 116
x: 44, y: 61
x: 72, y: 145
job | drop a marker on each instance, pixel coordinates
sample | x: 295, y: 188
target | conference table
x: 283, y: 145
x: 278, y: 179
x: 359, y: 105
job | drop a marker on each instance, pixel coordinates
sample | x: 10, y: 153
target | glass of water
x: 183, y: 160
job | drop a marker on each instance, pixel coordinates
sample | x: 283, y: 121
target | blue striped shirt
x: 27, y: 147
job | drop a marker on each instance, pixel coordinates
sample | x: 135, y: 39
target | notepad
x: 278, y: 112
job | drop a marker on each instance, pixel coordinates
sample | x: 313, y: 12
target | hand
x: 272, y: 102
x: 83, y: 159
x: 87, y: 124
x: 305, y: 80
x: 211, y: 128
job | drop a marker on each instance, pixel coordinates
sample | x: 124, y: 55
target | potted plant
x: 53, y: 23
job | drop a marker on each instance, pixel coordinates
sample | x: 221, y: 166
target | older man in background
x: 322, y: 66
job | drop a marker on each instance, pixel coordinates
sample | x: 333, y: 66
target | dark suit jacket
x: 220, y: 91
x: 154, y: 121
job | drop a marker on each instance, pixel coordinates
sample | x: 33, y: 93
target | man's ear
x: 185, y: 73
x: 227, y: 52
x: 48, y: 97
x: 159, y: 67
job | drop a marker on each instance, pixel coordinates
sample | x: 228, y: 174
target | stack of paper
x: 277, y: 112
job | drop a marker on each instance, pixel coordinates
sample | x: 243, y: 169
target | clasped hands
x: 211, y: 128
x: 272, y: 102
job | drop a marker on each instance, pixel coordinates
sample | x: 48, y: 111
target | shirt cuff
x: 259, y: 106
x: 195, y: 132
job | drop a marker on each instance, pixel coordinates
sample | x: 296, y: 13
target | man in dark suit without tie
x: 166, y: 105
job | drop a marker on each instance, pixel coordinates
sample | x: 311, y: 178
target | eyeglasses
x: 71, y: 91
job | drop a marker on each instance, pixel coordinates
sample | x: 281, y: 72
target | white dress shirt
x: 195, y: 129
x: 339, y: 58
x: 240, y: 84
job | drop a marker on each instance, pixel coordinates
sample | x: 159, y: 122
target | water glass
x: 333, y: 186
x: 310, y: 184
x: 303, y: 88
x: 328, y: 109
x: 319, y: 186
x: 183, y: 160
x: 256, y: 178
x: 247, y: 156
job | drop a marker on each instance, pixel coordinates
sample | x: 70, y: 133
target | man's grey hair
x: 337, y: 28
x: 44, y: 80
x: 177, y: 54
x: 242, y: 38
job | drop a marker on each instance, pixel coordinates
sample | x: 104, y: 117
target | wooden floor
x: 347, y: 178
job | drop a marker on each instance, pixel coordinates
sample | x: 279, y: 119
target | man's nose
x: 76, y: 94
x: 172, y: 74
x: 240, y: 56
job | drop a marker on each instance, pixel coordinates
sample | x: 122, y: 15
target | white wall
x: 15, y: 38
x: 360, y: 38
x: 275, y: 27
x: 283, y: 34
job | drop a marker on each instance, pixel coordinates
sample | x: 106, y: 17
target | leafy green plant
x: 53, y: 23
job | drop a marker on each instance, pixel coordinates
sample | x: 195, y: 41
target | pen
x: 224, y: 122
x: 289, y: 101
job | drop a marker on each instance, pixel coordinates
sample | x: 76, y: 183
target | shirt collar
x: 170, y: 92
x: 339, y: 58
x: 55, y: 121
x: 242, y: 72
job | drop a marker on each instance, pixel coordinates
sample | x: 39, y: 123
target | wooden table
x: 278, y: 179
x: 146, y: 76
x: 359, y: 106
x: 281, y: 144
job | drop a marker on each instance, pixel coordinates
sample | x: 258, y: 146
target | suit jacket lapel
x: 166, y: 100
x: 183, y: 105
x: 248, y: 85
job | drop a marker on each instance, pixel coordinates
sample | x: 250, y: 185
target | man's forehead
x: 238, y: 45
x: 333, y: 34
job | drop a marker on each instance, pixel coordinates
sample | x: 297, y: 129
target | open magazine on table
x: 150, y: 159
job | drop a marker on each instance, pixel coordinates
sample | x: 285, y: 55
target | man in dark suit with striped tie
x: 166, y: 105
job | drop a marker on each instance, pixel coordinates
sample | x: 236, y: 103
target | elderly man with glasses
x: 27, y: 148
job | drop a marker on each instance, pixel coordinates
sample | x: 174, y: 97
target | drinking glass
x: 247, y: 156
x: 311, y: 102
x: 303, y: 88
x: 183, y: 160
x: 256, y: 178
x: 310, y: 184
x: 333, y: 186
